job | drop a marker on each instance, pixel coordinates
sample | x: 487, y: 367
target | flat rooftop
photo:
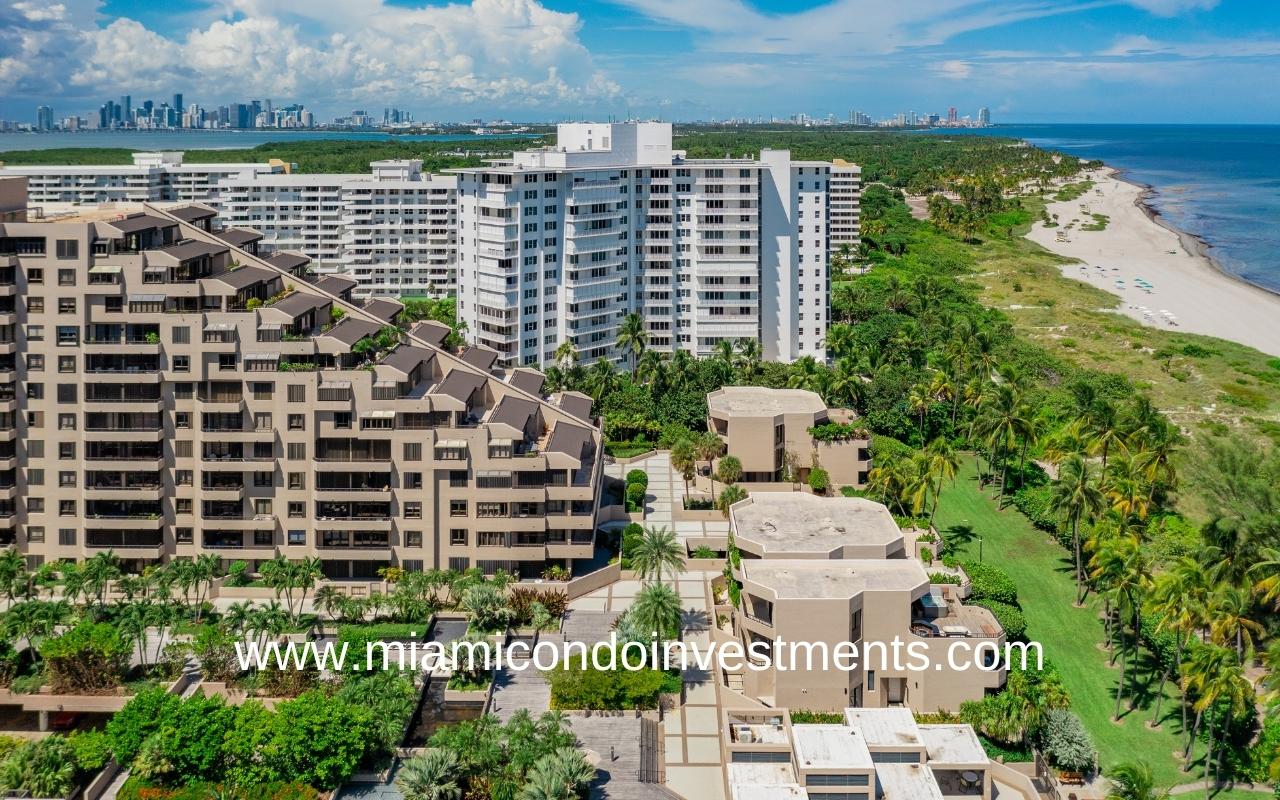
x: 952, y: 744
x: 782, y: 522
x: 907, y: 782
x: 830, y: 747
x: 765, y: 774
x: 72, y: 212
x: 886, y: 727
x: 761, y: 401
x: 816, y: 579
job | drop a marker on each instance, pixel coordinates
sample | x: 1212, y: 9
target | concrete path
x: 665, y: 495
x: 514, y: 689
x: 617, y: 741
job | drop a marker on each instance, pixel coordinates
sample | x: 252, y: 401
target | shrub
x: 238, y: 574
x: 1034, y: 502
x: 1066, y: 743
x: 631, y: 536
x: 635, y: 497
x: 704, y: 552
x: 638, y: 476
x: 926, y: 555
x: 991, y: 583
x: 803, y: 717
x: 818, y: 480
x: 838, y: 432
x: 944, y: 577
x: 90, y: 658
x: 92, y: 749
x: 574, y: 687
x: 129, y: 727
x: 1009, y: 617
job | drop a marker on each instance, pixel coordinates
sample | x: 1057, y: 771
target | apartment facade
x: 873, y: 754
x: 838, y: 569
x: 163, y: 403
x: 768, y: 430
x: 152, y: 177
x: 560, y: 244
x: 392, y: 230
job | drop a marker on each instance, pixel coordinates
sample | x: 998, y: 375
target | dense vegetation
x: 328, y: 155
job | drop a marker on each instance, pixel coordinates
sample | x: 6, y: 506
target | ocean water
x: 212, y: 140
x: 1219, y: 182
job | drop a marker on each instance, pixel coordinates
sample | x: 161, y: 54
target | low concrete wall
x: 632, y: 459
x: 1013, y: 778
x: 592, y: 581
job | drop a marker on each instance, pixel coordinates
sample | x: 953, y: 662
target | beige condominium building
x: 768, y: 431
x: 874, y: 754
x: 168, y: 394
x: 835, y: 569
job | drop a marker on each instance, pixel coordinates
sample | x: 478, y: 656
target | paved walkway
x: 514, y: 689
x: 617, y: 741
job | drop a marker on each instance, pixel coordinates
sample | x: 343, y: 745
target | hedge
x: 991, y: 583
x: 638, y: 476
x: 1035, y: 503
x: 818, y: 480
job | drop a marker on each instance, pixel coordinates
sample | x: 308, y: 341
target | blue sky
x: 1028, y: 60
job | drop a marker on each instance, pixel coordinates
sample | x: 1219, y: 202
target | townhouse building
x: 168, y: 394
x: 560, y: 244
x: 827, y: 570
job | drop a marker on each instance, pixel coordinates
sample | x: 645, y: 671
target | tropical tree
x: 1133, y: 780
x: 13, y: 568
x: 1005, y: 420
x: 566, y: 355
x: 632, y: 337
x: 656, y: 609
x: 729, y: 470
x: 1217, y: 680
x: 658, y: 551
x: 560, y: 775
x: 709, y: 446
x: 430, y: 776
x: 1120, y: 565
x: 730, y: 495
x: 684, y: 458
x: 1075, y: 497
x: 748, y: 360
x: 99, y: 571
x: 944, y: 463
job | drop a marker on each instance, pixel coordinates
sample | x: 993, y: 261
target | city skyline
x: 558, y: 59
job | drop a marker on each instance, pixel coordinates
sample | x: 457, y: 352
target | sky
x: 549, y: 60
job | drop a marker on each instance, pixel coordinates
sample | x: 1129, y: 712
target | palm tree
x: 919, y: 400
x: 1004, y: 421
x: 13, y: 566
x: 709, y: 446
x: 1126, y: 489
x: 723, y: 352
x: 1075, y: 497
x: 730, y: 495
x: 632, y: 337
x: 658, y: 551
x: 839, y: 340
x: 680, y: 370
x: 1104, y: 430
x: 657, y: 609
x: 684, y: 458
x: 729, y: 470
x: 888, y: 479
x: 99, y: 571
x: 944, y: 463
x: 1154, y: 458
x: 566, y: 355
x: 748, y: 361
x: 651, y: 369
x: 601, y: 379
x: 559, y: 775
x: 430, y: 776
x: 1230, y: 619
x: 1213, y: 675
x: 329, y: 599
x: 1132, y: 780
x: 1120, y: 565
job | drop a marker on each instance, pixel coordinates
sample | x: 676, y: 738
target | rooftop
x: 907, y: 782
x: 781, y: 522
x: 952, y: 744
x: 885, y: 727
x: 830, y: 747
x: 813, y: 579
x: 761, y: 401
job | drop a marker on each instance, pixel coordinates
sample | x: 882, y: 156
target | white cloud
x: 332, y: 54
x: 38, y: 13
x: 954, y: 69
x: 1144, y: 46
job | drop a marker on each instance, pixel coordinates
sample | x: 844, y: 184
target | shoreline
x: 1116, y: 241
x: 1195, y: 245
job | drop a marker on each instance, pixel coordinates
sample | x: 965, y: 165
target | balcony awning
x: 452, y: 444
x: 146, y: 298
x: 106, y: 269
x: 335, y: 385
x: 262, y: 356
x: 271, y: 326
x: 501, y: 443
x: 385, y: 384
x: 377, y: 415
x: 492, y: 473
x: 155, y: 270
x: 220, y: 326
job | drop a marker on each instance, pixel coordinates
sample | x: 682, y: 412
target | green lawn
x: 1042, y: 569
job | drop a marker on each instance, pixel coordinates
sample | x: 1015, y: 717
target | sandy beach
x: 1162, y: 278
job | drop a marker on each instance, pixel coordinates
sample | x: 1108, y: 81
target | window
x: 262, y: 420
x: 66, y: 393
x: 66, y: 305
x: 413, y: 451
x: 263, y: 538
x: 66, y: 277
x: 182, y: 448
x: 184, y: 535
x: 66, y: 478
x: 263, y: 391
x: 413, y: 480
x: 35, y: 362
x: 297, y: 510
x: 297, y: 537
x: 35, y: 275
x: 457, y: 478
x: 182, y: 477
x: 35, y: 533
x: 263, y: 480
x: 297, y: 421
x: 66, y: 508
x: 262, y: 506
x: 181, y: 335
x: 35, y: 333
x: 67, y: 451
x: 35, y: 448
x: 458, y: 536
x: 871, y: 680
x: 66, y: 363
x: 297, y: 480
x: 342, y: 420
x: 35, y: 477
x: 66, y: 422
x: 413, y: 538
x: 35, y: 505
x: 297, y: 393
x: 66, y: 537
x: 67, y: 248
x: 182, y: 505
x: 182, y: 419
x: 457, y: 508
x: 297, y: 451
x: 182, y: 363
x: 413, y: 510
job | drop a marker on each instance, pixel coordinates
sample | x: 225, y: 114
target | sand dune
x: 1134, y: 247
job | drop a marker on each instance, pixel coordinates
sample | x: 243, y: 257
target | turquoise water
x: 1219, y: 182
x: 212, y: 140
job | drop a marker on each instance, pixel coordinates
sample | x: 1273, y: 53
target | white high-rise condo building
x: 391, y: 230
x: 560, y: 244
